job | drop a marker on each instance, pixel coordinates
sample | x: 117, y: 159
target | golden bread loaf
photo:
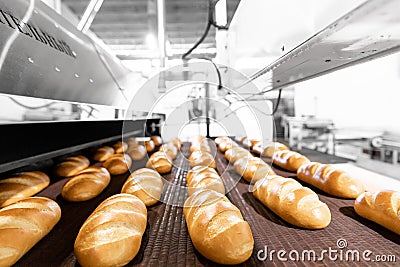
x: 137, y: 152
x: 86, y: 185
x: 157, y: 140
x: 252, y: 169
x: 289, y: 160
x: 176, y: 142
x: 160, y: 162
x: 120, y: 147
x: 268, y: 150
x: 112, y: 234
x: 146, y: 184
x: 292, y: 202
x: 169, y: 150
x: 118, y: 164
x: 21, y: 186
x: 23, y: 224
x: 217, y: 228
x: 382, y: 207
x: 235, y: 153
x: 202, y: 178
x: 225, y: 145
x: 72, y: 166
x: 149, y: 145
x: 103, y: 153
x: 202, y: 158
x: 132, y: 141
x: 334, y: 182
x: 221, y: 139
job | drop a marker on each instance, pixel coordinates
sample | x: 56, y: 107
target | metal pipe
x: 88, y: 16
x: 161, y: 31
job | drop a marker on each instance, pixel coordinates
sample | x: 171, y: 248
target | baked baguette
x: 120, y: 147
x: 146, y: 184
x: 21, y: 186
x: 23, y: 224
x: 202, y: 158
x: 103, y: 153
x: 132, y: 141
x: 199, y: 143
x: 149, y: 145
x: 249, y: 143
x: 381, y: 207
x: 289, y: 160
x: 137, y: 152
x: 235, y: 153
x: 112, y: 234
x: 169, y: 150
x: 217, y: 228
x: 202, y: 178
x: 225, y: 145
x: 292, y: 202
x: 268, y: 150
x: 252, y: 169
x: 176, y: 142
x: 118, y: 164
x: 159, y: 162
x: 157, y: 140
x: 72, y: 166
x: 86, y: 185
x: 221, y: 139
x: 334, y: 182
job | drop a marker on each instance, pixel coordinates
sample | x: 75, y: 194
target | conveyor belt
x: 166, y: 241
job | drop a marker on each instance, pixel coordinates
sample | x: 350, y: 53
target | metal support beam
x: 221, y: 18
x: 161, y: 31
x: 207, y: 87
x: 89, y: 15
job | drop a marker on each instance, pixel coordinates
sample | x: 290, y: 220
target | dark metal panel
x: 46, y: 57
x: 29, y: 143
x: 365, y: 33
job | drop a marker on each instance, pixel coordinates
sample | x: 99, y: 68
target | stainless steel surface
x: 44, y: 56
x: 369, y: 31
x: 89, y: 15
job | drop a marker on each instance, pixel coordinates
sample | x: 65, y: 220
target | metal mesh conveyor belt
x: 166, y: 241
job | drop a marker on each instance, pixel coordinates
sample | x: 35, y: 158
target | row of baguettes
x: 381, y: 207
x: 216, y: 227
x: 20, y: 231
x: 112, y: 234
x: 286, y: 197
x: 322, y: 176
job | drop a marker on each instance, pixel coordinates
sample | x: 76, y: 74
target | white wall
x: 365, y: 96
